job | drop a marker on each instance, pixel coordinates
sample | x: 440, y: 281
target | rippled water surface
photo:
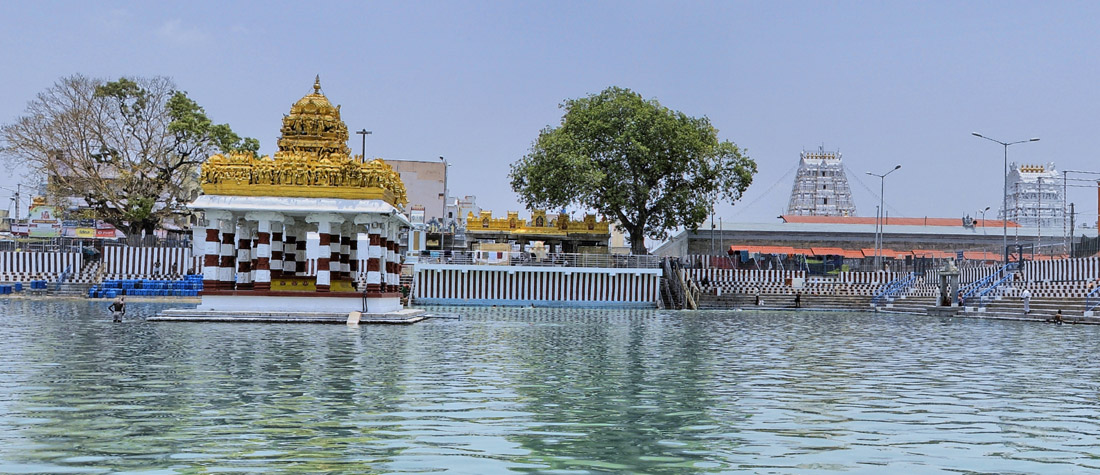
x: 538, y: 390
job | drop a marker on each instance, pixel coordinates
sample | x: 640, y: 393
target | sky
x: 885, y: 83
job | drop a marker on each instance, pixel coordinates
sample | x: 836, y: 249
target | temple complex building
x: 821, y: 186
x: 557, y: 233
x: 1035, y: 196
x: 258, y: 212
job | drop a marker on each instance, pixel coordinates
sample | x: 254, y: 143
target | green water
x: 547, y: 391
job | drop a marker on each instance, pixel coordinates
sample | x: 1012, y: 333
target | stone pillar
x: 227, y: 255
x: 392, y: 278
x: 262, y: 280
x: 290, y: 247
x: 353, y: 255
x: 384, y: 256
x: 399, y: 256
x: 372, y: 273
x: 334, y: 252
x: 345, y: 250
x: 244, y: 256
x: 325, y: 248
x: 277, y: 250
x: 374, y: 260
x: 211, y: 259
x: 300, y: 257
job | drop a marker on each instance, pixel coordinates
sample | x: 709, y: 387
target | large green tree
x: 650, y: 168
x: 130, y: 148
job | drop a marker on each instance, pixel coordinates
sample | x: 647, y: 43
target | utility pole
x: 364, y: 133
x: 1065, y: 197
x: 1071, y: 223
x: 1039, y: 240
x: 712, y: 231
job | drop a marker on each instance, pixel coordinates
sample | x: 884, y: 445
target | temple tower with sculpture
x: 259, y: 211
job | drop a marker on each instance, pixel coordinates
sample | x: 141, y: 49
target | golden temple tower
x: 314, y: 126
x: 313, y: 161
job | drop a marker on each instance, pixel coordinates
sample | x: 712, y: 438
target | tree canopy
x: 130, y: 148
x: 650, y: 168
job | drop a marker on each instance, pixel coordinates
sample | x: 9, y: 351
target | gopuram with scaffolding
x: 259, y: 212
x: 821, y: 186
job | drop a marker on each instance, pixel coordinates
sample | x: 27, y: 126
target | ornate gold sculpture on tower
x: 313, y: 161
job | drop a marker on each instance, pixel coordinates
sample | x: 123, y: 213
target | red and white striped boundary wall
x: 1063, y: 270
x: 32, y: 263
x: 138, y: 261
x: 719, y: 276
x: 716, y: 276
x: 878, y: 278
x: 564, y: 286
x: 966, y: 274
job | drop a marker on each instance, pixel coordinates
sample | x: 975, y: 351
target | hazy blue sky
x: 885, y: 82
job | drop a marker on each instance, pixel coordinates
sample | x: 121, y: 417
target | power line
x: 869, y: 190
x: 739, y: 210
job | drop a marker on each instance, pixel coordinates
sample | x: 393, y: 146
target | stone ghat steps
x: 402, y: 317
x: 1043, y: 307
x: 832, y: 302
x: 70, y: 289
x: 909, y: 304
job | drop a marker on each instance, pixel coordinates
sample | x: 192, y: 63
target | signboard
x: 416, y: 215
x: 85, y: 232
x: 105, y: 230
x: 43, y: 222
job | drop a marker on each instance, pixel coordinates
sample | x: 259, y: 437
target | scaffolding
x: 821, y: 186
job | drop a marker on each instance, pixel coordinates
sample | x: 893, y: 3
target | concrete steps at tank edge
x: 1011, y: 308
x: 711, y: 301
x: 1041, y: 308
x: 69, y: 289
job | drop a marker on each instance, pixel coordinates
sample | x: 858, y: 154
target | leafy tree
x: 130, y: 148
x: 651, y: 168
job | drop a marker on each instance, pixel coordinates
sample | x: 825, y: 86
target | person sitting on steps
x: 1057, y: 318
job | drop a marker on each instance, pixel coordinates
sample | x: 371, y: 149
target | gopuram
x: 259, y: 212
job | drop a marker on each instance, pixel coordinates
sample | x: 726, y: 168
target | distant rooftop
x: 926, y: 221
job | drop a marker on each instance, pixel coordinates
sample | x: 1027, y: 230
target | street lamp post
x: 1004, y: 204
x: 983, y: 219
x: 443, y: 216
x: 881, y: 211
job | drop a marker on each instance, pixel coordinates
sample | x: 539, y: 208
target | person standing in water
x: 118, y: 308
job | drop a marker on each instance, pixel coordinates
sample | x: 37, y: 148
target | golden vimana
x: 313, y: 161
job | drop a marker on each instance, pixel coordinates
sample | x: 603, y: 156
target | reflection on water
x: 545, y: 390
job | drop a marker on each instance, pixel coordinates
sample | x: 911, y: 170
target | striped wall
x: 1063, y: 270
x: 744, y: 275
x: 868, y: 277
x: 139, y: 261
x: 443, y: 284
x: 30, y: 263
x: 966, y: 274
x: 717, y: 276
